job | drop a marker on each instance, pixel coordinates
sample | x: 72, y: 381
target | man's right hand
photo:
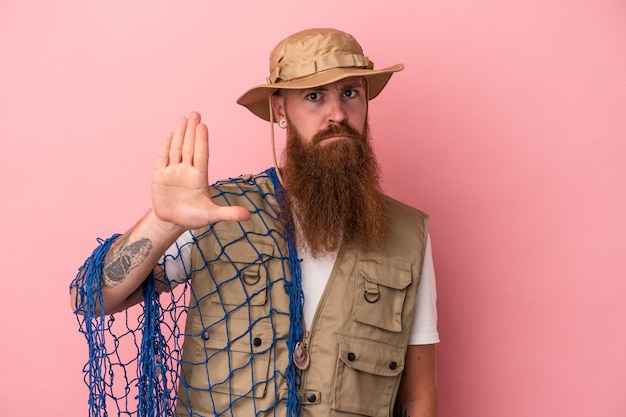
x: 181, y: 201
x: 180, y: 184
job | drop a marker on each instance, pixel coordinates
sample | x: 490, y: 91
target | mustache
x: 342, y: 128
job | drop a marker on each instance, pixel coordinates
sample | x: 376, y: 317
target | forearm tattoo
x: 122, y: 259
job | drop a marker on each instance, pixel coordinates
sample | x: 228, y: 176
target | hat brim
x: 256, y: 99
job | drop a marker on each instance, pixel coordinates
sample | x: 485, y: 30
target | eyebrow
x: 352, y: 85
x: 346, y: 86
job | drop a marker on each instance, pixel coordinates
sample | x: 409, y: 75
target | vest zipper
x: 309, y: 334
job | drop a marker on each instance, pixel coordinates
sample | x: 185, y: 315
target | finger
x: 201, y: 152
x: 164, y: 151
x: 178, y: 137
x: 189, y: 140
x: 230, y: 213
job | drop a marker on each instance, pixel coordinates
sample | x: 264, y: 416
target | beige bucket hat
x: 312, y: 58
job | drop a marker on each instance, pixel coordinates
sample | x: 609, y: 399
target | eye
x: 313, y: 96
x: 350, y: 93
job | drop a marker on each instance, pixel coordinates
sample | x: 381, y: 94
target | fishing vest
x: 235, y: 350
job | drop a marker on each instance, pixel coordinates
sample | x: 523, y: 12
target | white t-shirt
x: 315, y: 273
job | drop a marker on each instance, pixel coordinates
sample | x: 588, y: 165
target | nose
x: 336, y: 111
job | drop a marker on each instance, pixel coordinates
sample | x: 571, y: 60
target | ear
x: 278, y: 105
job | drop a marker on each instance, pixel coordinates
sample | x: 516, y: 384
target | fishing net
x: 136, y: 365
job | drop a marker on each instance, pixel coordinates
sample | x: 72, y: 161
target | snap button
x: 393, y: 365
x: 311, y: 398
x: 351, y: 356
x: 257, y: 341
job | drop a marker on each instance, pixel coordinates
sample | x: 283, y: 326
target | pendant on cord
x: 300, y: 356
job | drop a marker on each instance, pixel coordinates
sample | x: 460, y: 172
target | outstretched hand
x: 180, y: 183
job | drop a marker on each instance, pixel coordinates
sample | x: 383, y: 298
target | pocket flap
x: 233, y: 334
x: 230, y: 249
x: 370, y: 356
x: 392, y: 273
x: 240, y: 271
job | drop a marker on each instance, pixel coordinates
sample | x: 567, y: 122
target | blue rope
x: 154, y: 396
x: 296, y: 304
x: 152, y: 382
x: 115, y: 376
x: 88, y: 298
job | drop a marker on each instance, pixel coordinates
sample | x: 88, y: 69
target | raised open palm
x: 180, y: 184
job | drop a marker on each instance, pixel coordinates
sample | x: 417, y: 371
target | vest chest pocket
x: 367, y: 376
x: 240, y: 272
x: 229, y: 357
x: 381, y: 292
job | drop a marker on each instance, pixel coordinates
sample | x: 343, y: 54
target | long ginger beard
x: 333, y: 192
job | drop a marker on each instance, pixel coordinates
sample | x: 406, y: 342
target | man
x: 312, y: 293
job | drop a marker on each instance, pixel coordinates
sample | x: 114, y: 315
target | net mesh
x: 136, y: 365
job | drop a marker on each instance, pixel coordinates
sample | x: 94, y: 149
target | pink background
x: 508, y: 127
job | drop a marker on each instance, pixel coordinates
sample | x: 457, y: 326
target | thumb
x: 231, y: 213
